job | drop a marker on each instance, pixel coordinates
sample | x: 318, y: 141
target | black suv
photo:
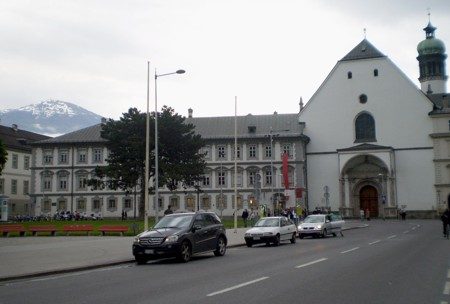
x: 181, y: 235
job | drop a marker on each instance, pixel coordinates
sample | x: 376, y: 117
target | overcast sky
x: 268, y: 53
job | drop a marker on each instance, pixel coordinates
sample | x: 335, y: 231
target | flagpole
x: 235, y: 165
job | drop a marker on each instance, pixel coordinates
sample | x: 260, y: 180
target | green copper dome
x: 430, y: 45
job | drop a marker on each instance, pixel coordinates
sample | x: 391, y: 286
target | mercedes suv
x: 181, y: 235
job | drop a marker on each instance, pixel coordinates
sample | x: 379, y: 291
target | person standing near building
x: 168, y: 210
x: 245, y: 217
x: 445, y: 217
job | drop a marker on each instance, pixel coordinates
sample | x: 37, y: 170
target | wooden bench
x: 78, y: 228
x: 6, y: 229
x: 42, y: 228
x: 113, y: 228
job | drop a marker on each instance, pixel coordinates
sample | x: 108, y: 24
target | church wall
x: 323, y: 170
x: 398, y: 107
x: 415, y: 179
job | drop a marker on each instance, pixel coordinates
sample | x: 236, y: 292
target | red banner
x: 285, y: 158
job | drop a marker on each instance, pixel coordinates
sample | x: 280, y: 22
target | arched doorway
x: 368, y: 199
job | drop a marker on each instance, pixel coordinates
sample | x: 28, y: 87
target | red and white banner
x: 285, y: 169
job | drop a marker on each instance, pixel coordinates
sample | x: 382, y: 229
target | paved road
x: 389, y: 262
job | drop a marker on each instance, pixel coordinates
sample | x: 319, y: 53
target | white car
x: 321, y: 225
x: 273, y: 229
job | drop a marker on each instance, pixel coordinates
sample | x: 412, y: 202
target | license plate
x: 149, y: 251
x: 256, y: 238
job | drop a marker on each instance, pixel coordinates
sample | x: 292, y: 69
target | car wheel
x: 185, y: 252
x: 277, y: 240
x: 140, y: 260
x: 324, y: 233
x: 249, y: 243
x: 267, y: 243
x: 300, y: 236
x: 293, y: 239
x: 334, y: 234
x: 221, y: 247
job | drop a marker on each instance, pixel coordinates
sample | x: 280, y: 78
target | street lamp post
x: 156, y: 140
x: 147, y: 152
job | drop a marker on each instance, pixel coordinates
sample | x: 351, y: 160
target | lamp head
x: 180, y: 72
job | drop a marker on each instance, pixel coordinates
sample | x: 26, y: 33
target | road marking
x: 311, y: 263
x: 374, y: 242
x: 448, y: 274
x: 414, y: 228
x: 392, y: 236
x: 444, y: 302
x: 356, y: 248
x: 447, y: 288
x: 407, y: 231
x: 236, y: 287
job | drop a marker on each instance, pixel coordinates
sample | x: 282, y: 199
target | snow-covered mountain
x: 50, y: 117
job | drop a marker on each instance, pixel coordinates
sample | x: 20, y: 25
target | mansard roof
x: 87, y: 135
x: 248, y: 126
x: 14, y: 138
x: 364, y: 50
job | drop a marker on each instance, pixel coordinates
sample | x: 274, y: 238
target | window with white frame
x: 127, y: 203
x: 26, y: 163
x: 238, y: 152
x: 238, y: 178
x: 81, y: 205
x: 14, y: 186
x: 112, y: 203
x: 63, y: 180
x: 268, y: 177
x: 287, y: 148
x: 46, y: 205
x: 251, y: 151
x: 221, y: 178
x: 190, y: 203
x: 47, y: 182
x: 97, y: 156
x: 48, y: 157
x: 221, y: 202
x: 62, y: 205
x: 82, y: 181
x: 206, y: 203
x: 206, y: 181
x: 268, y: 151
x: 26, y: 187
x: 63, y: 156
x: 15, y: 161
x: 221, y: 152
x: 82, y: 156
x: 251, y: 178
x: 174, y: 202
x: 206, y: 151
x: 96, y: 204
x: 240, y: 203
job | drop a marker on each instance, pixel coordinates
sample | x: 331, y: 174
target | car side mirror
x: 196, y: 227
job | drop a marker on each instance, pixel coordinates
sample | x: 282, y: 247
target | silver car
x: 272, y: 229
x: 321, y: 225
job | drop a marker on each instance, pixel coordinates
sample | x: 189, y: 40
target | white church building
x: 375, y: 137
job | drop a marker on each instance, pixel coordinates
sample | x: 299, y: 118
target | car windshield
x: 179, y: 221
x: 268, y: 222
x: 314, y: 219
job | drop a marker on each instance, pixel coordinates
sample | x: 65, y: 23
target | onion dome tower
x: 432, y: 63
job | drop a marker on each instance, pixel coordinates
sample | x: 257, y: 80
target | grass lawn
x: 135, y: 225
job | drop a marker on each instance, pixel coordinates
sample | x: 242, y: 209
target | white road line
x: 356, y: 248
x: 414, y: 228
x: 447, y: 288
x: 444, y: 302
x: 392, y: 236
x: 236, y: 287
x: 311, y: 263
x: 448, y: 274
x: 374, y: 242
x: 407, y: 231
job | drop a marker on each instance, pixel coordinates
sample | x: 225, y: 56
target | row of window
x: 252, y: 151
x: 81, y: 156
x: 81, y: 205
x: 15, y: 161
x: 14, y: 185
x: 350, y: 74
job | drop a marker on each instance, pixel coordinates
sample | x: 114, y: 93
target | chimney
x: 14, y: 127
x: 103, y: 120
x: 190, y: 111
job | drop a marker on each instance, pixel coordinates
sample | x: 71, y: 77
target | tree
x: 180, y: 163
x: 3, y: 156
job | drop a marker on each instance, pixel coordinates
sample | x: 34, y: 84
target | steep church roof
x: 364, y: 50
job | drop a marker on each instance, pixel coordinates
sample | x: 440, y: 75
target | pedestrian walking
x: 245, y: 217
x: 361, y: 214
x: 445, y: 217
x: 168, y: 210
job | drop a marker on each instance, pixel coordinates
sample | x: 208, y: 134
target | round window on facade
x: 363, y: 98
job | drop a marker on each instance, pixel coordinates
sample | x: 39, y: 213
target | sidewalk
x: 24, y: 257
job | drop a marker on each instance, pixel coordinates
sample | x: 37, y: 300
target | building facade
x: 65, y: 163
x: 15, y: 180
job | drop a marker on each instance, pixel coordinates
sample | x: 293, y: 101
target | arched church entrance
x: 368, y: 200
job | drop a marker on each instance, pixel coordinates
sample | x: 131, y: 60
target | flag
x: 285, y: 170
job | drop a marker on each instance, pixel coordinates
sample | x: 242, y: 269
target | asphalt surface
x: 388, y: 262
x: 23, y: 257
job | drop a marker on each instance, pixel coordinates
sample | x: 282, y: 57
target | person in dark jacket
x: 245, y: 217
x: 445, y: 217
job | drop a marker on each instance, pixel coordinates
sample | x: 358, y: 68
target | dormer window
x: 252, y: 129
